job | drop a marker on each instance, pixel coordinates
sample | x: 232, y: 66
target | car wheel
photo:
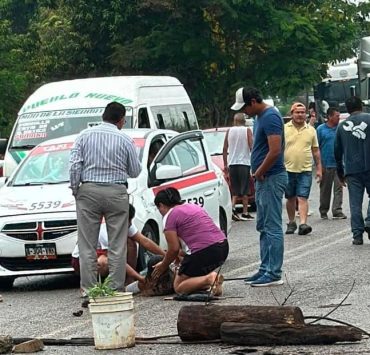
x: 223, y: 222
x: 144, y: 255
x: 6, y: 283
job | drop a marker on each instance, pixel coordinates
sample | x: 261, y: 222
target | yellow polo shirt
x: 298, y: 147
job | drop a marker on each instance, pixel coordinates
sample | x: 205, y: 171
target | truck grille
x: 43, y: 230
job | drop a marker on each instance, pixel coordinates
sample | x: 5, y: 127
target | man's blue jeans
x: 357, y: 183
x: 269, y: 196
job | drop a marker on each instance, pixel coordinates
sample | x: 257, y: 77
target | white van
x: 67, y: 107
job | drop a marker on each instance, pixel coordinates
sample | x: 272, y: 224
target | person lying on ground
x: 134, y: 236
x: 188, y: 227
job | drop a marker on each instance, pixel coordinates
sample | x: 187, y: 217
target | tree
x: 212, y: 46
x: 13, y: 78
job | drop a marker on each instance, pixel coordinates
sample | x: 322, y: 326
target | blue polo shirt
x: 268, y: 123
x: 326, y: 138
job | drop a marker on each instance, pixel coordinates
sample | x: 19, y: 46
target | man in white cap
x: 267, y: 164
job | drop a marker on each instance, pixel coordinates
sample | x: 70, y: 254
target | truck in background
x: 67, y: 107
x: 340, y: 83
x: 344, y: 79
x: 364, y: 71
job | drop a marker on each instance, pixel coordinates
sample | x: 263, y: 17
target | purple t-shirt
x: 193, y: 226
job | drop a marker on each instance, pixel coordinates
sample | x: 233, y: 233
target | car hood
x: 22, y: 200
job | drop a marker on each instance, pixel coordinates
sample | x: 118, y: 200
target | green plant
x: 101, y: 289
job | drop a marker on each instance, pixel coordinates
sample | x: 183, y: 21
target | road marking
x: 294, y: 251
x: 79, y: 325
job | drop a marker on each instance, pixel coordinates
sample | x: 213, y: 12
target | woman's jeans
x: 269, y: 196
x: 357, y: 183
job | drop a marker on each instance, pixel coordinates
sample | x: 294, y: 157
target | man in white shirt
x: 237, y: 163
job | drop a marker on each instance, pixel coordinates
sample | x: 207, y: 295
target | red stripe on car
x: 211, y: 175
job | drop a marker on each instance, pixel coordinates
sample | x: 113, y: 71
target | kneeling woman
x: 188, y: 227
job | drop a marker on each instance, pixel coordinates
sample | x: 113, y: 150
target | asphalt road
x: 320, y: 267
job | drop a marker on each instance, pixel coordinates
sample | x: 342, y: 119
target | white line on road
x: 75, y: 326
x: 306, y: 247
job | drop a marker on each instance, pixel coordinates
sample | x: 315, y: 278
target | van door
x: 189, y: 170
x: 143, y: 118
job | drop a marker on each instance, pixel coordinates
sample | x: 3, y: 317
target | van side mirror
x: 3, y: 145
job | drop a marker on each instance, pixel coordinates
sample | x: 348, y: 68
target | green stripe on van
x: 18, y: 155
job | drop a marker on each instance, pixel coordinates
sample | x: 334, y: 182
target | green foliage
x: 101, y: 289
x: 212, y: 46
x: 13, y: 76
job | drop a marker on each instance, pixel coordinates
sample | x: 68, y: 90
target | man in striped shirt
x: 101, y: 160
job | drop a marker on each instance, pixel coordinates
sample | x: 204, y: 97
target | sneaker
x: 339, y: 216
x: 85, y: 303
x: 249, y: 279
x: 324, y: 216
x: 367, y: 230
x: 235, y: 217
x: 292, y: 226
x: 304, y: 229
x: 265, y: 281
x: 246, y: 217
x: 357, y: 241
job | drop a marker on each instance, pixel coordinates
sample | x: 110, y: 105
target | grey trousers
x: 330, y: 178
x: 93, y: 201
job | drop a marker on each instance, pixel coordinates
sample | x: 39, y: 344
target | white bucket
x: 113, y: 321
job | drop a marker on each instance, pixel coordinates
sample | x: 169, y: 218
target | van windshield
x: 33, y: 128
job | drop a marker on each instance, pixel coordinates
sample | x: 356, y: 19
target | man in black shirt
x: 352, y: 155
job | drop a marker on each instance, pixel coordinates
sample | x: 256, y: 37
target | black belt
x: 102, y: 183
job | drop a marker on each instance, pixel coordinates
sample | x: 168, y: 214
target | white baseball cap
x: 239, y: 100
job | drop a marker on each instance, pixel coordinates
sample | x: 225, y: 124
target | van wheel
x: 6, y: 283
x: 223, y: 222
x: 144, y: 255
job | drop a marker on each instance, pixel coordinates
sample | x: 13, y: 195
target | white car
x: 37, y: 210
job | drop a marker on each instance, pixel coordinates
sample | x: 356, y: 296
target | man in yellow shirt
x: 300, y: 145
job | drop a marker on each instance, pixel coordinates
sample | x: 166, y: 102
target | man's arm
x: 250, y: 138
x: 317, y: 158
x: 274, y: 143
x: 133, y: 163
x: 75, y: 161
x: 134, y: 274
x: 148, y: 244
x: 319, y: 136
x: 338, y: 154
x: 225, y: 150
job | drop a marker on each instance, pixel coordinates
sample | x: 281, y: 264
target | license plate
x: 43, y: 251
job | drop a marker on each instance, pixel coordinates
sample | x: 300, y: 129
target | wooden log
x: 203, y: 322
x: 283, y: 334
x: 6, y: 344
